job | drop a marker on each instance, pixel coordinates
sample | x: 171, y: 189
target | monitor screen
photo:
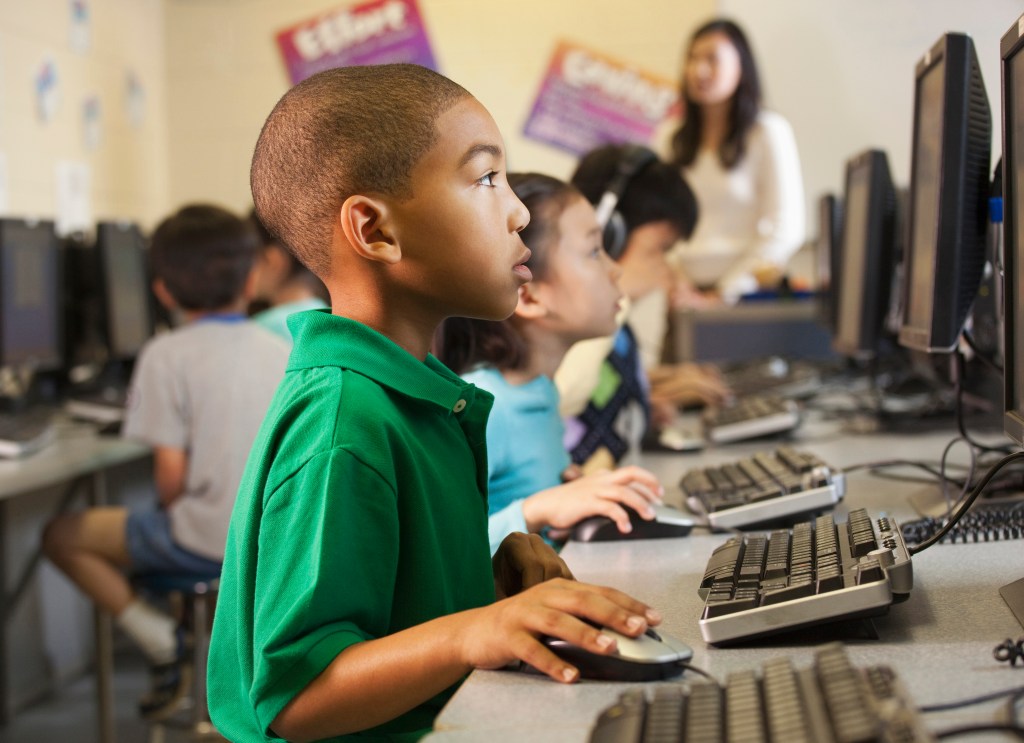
x: 866, y: 255
x: 1013, y: 232
x: 30, y: 325
x: 952, y: 141
x: 125, y: 288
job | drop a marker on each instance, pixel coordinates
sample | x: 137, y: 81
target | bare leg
x: 89, y: 547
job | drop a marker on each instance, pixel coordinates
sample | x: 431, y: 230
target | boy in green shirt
x: 357, y: 587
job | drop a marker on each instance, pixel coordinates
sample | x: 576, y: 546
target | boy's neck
x: 413, y: 334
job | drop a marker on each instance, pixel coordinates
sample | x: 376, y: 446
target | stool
x: 197, y: 595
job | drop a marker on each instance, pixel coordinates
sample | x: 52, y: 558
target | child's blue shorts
x: 152, y: 549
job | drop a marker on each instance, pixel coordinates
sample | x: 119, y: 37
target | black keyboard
x: 817, y: 572
x: 775, y: 375
x: 779, y: 484
x: 750, y: 417
x: 830, y: 701
x: 26, y: 431
x: 987, y: 522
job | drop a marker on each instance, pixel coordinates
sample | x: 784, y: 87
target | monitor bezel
x: 959, y: 253
x: 55, y: 361
x: 879, y: 261
x: 1011, y: 44
x: 103, y: 231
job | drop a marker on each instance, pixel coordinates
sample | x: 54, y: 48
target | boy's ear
x: 364, y: 222
x: 530, y: 305
x: 163, y: 295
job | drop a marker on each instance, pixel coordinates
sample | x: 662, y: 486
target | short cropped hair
x: 656, y: 193
x: 203, y: 254
x: 463, y: 343
x: 343, y: 131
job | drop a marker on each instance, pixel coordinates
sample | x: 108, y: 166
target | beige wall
x: 129, y: 168
x: 225, y: 72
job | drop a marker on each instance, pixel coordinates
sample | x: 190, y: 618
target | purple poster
x: 588, y: 99
x: 369, y: 33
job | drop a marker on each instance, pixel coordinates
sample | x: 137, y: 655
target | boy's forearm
x: 375, y: 681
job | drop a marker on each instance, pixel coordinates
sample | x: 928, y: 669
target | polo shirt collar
x: 324, y: 339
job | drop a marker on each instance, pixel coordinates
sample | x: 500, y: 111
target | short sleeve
x: 157, y: 411
x: 324, y: 581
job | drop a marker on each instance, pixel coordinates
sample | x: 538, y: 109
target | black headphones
x: 632, y: 160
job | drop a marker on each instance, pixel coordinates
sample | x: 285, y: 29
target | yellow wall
x: 129, y: 167
x: 225, y: 72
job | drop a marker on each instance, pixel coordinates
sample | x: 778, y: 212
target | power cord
x: 968, y: 501
x: 1009, y: 651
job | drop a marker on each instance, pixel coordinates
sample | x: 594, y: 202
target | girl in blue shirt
x: 573, y: 296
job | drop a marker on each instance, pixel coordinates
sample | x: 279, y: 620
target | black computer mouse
x: 668, y: 522
x: 652, y: 656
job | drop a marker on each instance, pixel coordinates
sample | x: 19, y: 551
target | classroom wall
x: 129, y: 175
x: 225, y: 71
x: 841, y: 72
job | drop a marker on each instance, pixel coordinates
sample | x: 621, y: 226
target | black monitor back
x: 830, y: 232
x: 867, y: 259
x: 949, y: 188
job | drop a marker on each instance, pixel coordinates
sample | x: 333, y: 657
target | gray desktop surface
x: 939, y: 641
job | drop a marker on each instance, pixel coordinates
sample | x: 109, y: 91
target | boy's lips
x: 521, y: 269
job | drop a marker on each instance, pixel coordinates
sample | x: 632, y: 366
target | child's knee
x: 59, y: 535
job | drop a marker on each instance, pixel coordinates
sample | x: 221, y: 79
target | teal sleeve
x: 324, y: 583
x: 502, y: 523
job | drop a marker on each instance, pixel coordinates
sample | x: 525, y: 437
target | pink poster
x: 588, y: 99
x: 376, y: 32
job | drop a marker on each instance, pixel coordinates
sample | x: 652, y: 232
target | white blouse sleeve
x: 781, y: 217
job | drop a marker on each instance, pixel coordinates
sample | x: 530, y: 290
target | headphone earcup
x: 614, y: 236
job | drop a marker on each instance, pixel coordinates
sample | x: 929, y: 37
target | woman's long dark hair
x: 462, y: 343
x: 746, y: 102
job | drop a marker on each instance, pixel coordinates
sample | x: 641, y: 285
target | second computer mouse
x: 652, y: 656
x: 668, y: 522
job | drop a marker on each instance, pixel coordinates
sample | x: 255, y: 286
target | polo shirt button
x: 459, y: 406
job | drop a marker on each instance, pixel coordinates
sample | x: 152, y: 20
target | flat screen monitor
x: 866, y: 260
x: 30, y: 291
x: 1012, y: 49
x: 949, y: 187
x: 124, y: 288
x: 830, y: 225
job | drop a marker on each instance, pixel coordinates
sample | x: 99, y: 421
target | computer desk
x: 78, y: 455
x: 939, y: 641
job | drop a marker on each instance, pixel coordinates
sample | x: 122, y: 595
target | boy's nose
x: 520, y: 216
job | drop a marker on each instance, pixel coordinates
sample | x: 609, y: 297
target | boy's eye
x: 488, y: 179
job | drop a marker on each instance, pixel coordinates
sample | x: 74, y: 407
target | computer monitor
x: 1012, y: 52
x: 866, y: 261
x: 949, y: 186
x: 830, y: 226
x: 1012, y: 49
x: 124, y: 288
x: 30, y: 321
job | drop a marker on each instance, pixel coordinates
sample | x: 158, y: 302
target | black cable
x: 994, y: 727
x: 972, y: 701
x: 700, y: 671
x: 959, y: 357
x: 967, y: 502
x: 991, y: 364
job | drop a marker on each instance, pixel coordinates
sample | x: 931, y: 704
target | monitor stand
x: 1013, y: 595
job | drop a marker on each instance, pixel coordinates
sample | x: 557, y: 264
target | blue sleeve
x: 502, y: 523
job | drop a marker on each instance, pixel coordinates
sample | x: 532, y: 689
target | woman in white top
x: 741, y: 162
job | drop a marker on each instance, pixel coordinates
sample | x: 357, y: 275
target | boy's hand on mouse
x: 599, y: 494
x: 509, y: 630
x: 523, y: 561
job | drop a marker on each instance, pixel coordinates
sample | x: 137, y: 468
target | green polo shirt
x: 362, y: 512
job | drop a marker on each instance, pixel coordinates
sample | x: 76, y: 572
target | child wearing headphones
x: 573, y: 296
x: 645, y: 207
